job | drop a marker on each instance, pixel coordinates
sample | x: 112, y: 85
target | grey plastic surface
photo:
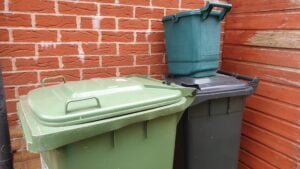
x: 208, y: 135
x: 214, y: 87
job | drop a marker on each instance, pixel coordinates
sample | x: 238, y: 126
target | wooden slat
x: 271, y: 140
x: 267, y: 154
x: 262, y: 21
x: 286, y: 94
x: 275, y: 108
x: 242, y: 166
x: 285, y: 58
x: 287, y: 130
x: 253, y: 162
x: 269, y: 38
x: 242, y: 6
x: 271, y: 74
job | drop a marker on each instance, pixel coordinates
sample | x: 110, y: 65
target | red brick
x: 11, y: 106
x: 133, y: 24
x: 172, y: 11
x: 118, y: 11
x: 16, y: 50
x: 24, y: 156
x: 143, y: 70
x: 17, y: 144
x: 82, y: 36
x: 39, y: 63
x: 117, y: 60
x: 104, y: 23
x: 34, y: 35
x: 147, y: 60
x: 76, y: 62
x: 19, y: 78
x: 9, y: 92
x: 99, y: 72
x: 116, y: 36
x: 77, y: 8
x: 23, y: 90
x: 4, y: 35
x: 6, y: 64
x: 101, y: 49
x: 158, y: 69
x: 15, y: 20
x: 192, y: 4
x: 158, y: 77
x: 68, y: 74
x: 15, y: 131
x: 141, y: 12
x: 13, y: 118
x: 134, y: 49
x: 58, y: 50
x: 166, y: 3
x: 101, y: 1
x: 150, y: 37
x: 51, y: 21
x: 156, y: 25
x: 135, y: 2
x: 2, y: 5
x: 158, y: 48
x: 34, y: 163
x: 32, y: 6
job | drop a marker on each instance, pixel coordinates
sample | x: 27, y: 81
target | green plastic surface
x: 193, y: 40
x: 139, y: 139
x: 95, y: 99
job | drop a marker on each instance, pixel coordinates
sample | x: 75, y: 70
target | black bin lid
x: 218, y: 86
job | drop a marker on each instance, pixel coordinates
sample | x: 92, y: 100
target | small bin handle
x: 52, y: 78
x: 210, y: 5
x: 253, y: 81
x: 78, y: 100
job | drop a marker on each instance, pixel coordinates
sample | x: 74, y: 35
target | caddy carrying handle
x: 210, y: 5
x: 253, y: 81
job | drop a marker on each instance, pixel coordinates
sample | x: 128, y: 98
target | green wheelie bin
x: 104, y: 123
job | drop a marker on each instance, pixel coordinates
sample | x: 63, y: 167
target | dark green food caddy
x: 208, y: 135
x: 193, y: 40
x: 109, y: 123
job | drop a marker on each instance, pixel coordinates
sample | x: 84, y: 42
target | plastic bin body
x: 209, y: 132
x: 131, y: 147
x: 193, y: 42
x: 109, y: 123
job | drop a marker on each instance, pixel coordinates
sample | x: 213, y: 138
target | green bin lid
x: 95, y: 99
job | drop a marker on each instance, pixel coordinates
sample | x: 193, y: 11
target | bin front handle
x: 210, y: 5
x: 52, y: 78
x: 78, y: 100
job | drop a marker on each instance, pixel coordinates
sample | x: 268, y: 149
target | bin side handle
x: 253, y: 81
x: 52, y: 78
x: 78, y: 100
x: 210, y: 5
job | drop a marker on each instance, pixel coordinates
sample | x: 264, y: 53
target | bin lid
x: 95, y: 99
x: 214, y: 84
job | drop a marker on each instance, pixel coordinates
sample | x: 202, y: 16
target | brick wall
x: 78, y: 39
x: 262, y: 39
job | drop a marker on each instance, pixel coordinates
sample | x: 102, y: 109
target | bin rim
x: 204, y: 12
